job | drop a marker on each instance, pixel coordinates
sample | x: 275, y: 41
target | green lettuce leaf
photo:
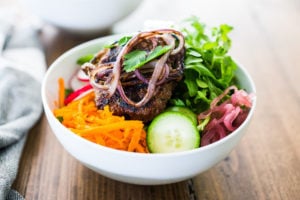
x: 209, y: 70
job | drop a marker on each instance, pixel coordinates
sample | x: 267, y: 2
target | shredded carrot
x: 61, y: 92
x: 101, y: 126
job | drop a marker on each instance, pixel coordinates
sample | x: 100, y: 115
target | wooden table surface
x: 265, y: 164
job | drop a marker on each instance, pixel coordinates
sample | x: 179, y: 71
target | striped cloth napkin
x: 22, y: 66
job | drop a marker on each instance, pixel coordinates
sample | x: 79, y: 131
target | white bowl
x: 136, y: 168
x: 82, y: 16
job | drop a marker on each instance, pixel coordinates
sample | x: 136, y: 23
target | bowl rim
x: 102, y: 41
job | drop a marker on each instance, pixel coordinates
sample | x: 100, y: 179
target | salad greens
x: 208, y: 67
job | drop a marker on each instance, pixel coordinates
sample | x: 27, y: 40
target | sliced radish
x: 82, y: 76
x: 79, y: 93
x: 75, y: 83
x: 84, y: 94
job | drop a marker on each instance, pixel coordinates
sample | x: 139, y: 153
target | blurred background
x: 89, y: 16
x: 61, y: 21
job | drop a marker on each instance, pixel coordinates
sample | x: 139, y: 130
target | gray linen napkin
x: 20, y: 103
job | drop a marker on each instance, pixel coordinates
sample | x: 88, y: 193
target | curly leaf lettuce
x: 208, y: 67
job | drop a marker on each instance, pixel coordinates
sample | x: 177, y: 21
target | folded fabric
x: 20, y: 108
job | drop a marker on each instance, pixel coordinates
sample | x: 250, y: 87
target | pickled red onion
x: 226, y: 117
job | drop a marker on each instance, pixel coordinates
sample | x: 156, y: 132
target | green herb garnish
x: 60, y: 119
x: 68, y: 91
x: 121, y: 42
x: 84, y: 59
x: 138, y: 58
x: 124, y: 40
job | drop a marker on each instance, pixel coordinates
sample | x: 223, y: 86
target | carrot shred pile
x: 101, y: 126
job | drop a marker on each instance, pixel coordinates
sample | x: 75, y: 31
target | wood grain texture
x: 265, y: 164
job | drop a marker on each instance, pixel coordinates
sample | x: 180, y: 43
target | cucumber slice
x: 185, y: 111
x: 172, y: 131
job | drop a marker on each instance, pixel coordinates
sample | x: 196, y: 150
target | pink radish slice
x: 75, y: 83
x: 79, y: 93
x: 82, y: 76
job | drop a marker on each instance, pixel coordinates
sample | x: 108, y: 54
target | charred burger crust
x: 145, y: 113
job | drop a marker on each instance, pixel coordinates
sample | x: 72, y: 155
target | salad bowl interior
x: 135, y: 168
